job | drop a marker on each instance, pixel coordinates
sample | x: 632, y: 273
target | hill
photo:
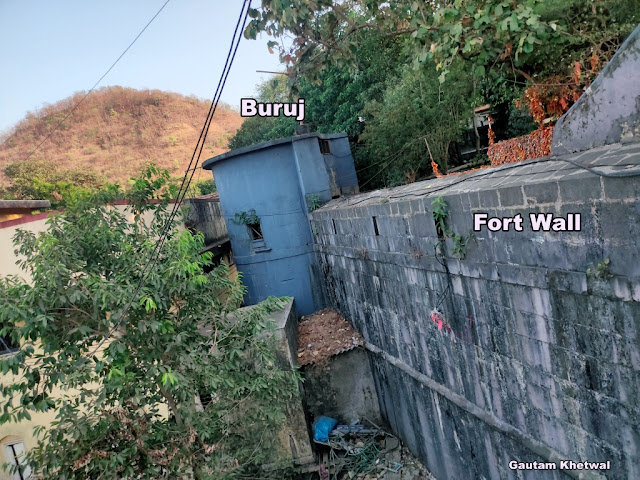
x: 116, y: 130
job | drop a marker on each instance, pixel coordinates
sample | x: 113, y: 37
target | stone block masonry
x: 534, y: 359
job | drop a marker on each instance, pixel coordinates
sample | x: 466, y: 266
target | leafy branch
x: 440, y: 215
x: 130, y: 409
x: 246, y: 218
x: 313, y: 202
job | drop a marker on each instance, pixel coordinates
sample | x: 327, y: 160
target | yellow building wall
x: 8, y: 258
x: 12, y: 214
x: 25, y: 430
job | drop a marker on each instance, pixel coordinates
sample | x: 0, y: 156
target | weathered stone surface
x: 343, y: 389
x: 534, y: 360
x: 608, y: 110
x: 292, y: 439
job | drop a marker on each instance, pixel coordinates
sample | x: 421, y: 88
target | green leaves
x: 41, y: 179
x: 149, y: 304
x: 111, y: 377
x: 328, y: 36
x: 169, y: 378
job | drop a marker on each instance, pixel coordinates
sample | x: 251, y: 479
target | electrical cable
x: 212, y: 108
x: 410, y: 142
x: 95, y: 84
x: 388, y: 163
x: 186, y: 181
x: 442, y: 297
x: 199, y: 146
x: 404, y: 147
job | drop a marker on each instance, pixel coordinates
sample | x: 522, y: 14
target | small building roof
x: 208, y: 164
x: 24, y: 204
x: 210, y: 197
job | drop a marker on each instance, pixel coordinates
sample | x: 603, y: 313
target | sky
x: 51, y: 49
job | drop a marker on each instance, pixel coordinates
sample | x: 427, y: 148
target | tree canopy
x: 363, y: 66
x: 40, y: 179
x: 485, y: 33
x: 126, y: 369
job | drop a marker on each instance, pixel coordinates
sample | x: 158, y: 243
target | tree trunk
x: 475, y: 125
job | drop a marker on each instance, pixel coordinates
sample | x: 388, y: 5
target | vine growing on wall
x: 313, y: 202
x: 601, y: 270
x: 246, y: 218
x: 460, y: 246
x: 440, y: 215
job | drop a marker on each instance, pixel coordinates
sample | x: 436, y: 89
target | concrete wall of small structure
x: 279, y: 264
x: 343, y: 388
x: 544, y: 360
x: 205, y: 215
x: 293, y: 440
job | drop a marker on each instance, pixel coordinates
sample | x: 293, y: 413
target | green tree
x: 506, y: 44
x: 416, y: 119
x: 334, y: 101
x: 591, y: 32
x: 129, y: 377
x: 38, y: 179
x: 477, y: 30
x: 261, y: 129
x: 486, y: 33
x: 201, y: 187
x: 556, y: 69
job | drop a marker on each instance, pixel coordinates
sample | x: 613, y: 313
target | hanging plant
x: 246, y: 218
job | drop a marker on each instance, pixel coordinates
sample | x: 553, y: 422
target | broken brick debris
x: 324, y: 334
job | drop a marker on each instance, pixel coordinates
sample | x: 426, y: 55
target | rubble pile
x: 324, y: 334
x: 360, y: 453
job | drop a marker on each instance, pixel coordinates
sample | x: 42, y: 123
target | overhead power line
x: 189, y: 173
x: 75, y: 107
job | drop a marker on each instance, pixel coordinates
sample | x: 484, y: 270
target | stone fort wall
x: 533, y: 353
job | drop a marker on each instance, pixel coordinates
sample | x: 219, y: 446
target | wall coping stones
x: 608, y: 159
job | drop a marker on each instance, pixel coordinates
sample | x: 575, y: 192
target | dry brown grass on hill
x: 116, y: 130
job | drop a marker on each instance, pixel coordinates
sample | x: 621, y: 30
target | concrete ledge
x: 20, y: 204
